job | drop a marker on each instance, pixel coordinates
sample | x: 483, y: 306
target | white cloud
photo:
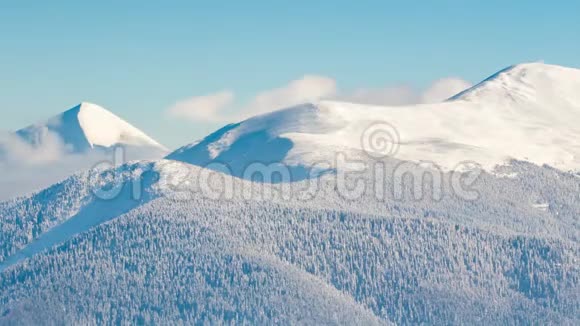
x: 438, y: 91
x: 395, y: 95
x: 25, y: 168
x: 204, y: 108
x: 213, y: 107
x: 305, y: 89
x: 14, y: 149
x: 218, y: 107
x: 443, y: 89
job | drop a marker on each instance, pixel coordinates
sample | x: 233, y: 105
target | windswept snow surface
x: 527, y: 112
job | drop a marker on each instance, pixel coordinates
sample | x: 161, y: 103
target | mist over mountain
x: 47, y: 152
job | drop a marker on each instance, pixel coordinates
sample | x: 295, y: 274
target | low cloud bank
x: 27, y: 168
x: 222, y: 106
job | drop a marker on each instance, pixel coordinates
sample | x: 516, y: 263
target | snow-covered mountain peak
x: 87, y: 126
x: 527, y: 112
x: 94, y: 120
x: 530, y: 82
x: 74, y: 140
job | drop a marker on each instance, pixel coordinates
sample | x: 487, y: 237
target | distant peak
x: 87, y: 125
x: 88, y: 106
x: 534, y: 67
x: 84, y: 103
x: 524, y: 80
x: 530, y: 65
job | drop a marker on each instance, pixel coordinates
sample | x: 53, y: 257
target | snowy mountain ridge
x: 525, y: 112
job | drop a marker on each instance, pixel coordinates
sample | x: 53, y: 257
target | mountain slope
x: 540, y: 202
x: 182, y: 255
x: 526, y: 112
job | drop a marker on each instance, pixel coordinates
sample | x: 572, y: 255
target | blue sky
x: 137, y: 59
